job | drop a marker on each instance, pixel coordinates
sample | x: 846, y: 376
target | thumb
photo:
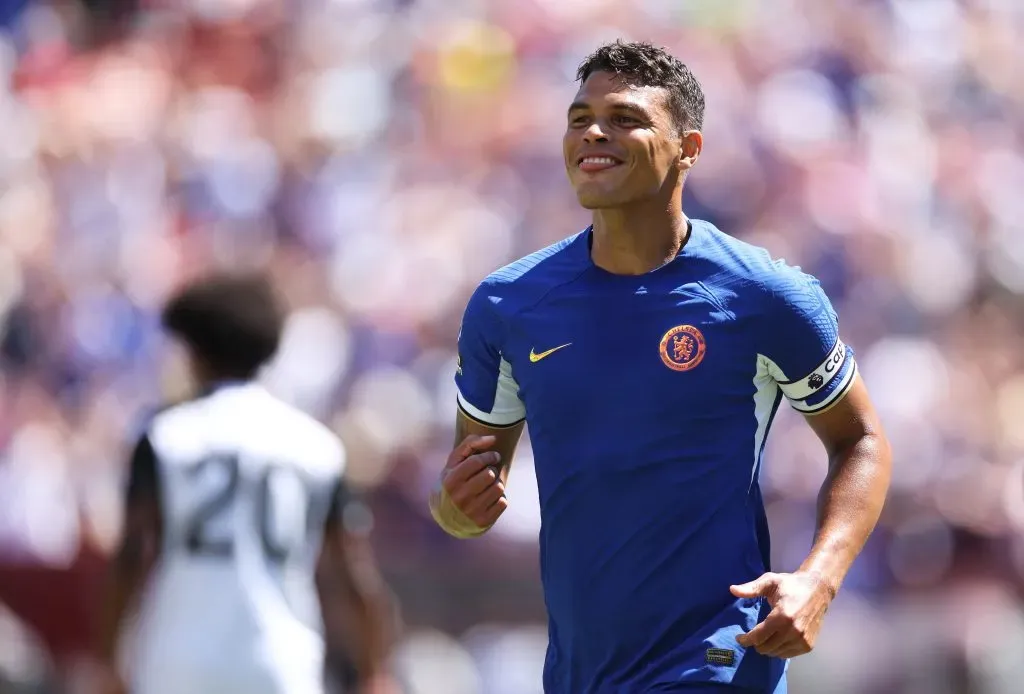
x: 759, y: 587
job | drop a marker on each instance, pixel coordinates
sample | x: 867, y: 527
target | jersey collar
x: 585, y: 240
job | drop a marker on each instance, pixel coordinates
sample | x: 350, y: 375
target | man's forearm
x: 127, y: 573
x: 377, y: 623
x: 849, y: 505
x: 115, y: 604
x: 357, y: 603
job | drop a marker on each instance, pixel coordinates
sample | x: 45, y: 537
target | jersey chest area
x: 606, y: 358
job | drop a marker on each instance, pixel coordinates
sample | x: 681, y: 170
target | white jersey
x: 245, y: 484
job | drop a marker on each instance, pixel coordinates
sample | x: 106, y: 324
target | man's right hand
x: 470, y: 496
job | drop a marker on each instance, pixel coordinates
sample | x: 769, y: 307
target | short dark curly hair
x: 644, y: 65
x: 231, y: 322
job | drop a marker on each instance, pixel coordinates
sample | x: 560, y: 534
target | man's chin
x: 596, y: 200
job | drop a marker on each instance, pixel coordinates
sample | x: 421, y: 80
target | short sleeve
x: 487, y: 391
x: 143, y: 478
x: 804, y: 351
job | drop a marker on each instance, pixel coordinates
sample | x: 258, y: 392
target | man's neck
x: 634, y: 242
x: 208, y: 386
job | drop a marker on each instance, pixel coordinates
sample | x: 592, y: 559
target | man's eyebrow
x: 625, y: 106
x: 635, y: 108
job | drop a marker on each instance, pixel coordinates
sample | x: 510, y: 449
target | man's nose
x: 594, y: 134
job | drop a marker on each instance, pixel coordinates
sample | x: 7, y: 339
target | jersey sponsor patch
x: 805, y: 387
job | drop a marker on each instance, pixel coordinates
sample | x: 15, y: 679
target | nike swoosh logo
x: 534, y: 357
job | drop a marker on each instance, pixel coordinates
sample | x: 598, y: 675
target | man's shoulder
x: 747, y: 266
x: 544, y: 266
x: 174, y: 430
x: 311, y: 443
x: 525, y: 281
x: 174, y: 413
x: 300, y: 425
x: 187, y: 426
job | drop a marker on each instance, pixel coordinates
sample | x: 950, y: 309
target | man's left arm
x: 849, y: 504
x: 358, y: 608
x: 138, y: 551
x: 851, y: 498
x: 834, y: 400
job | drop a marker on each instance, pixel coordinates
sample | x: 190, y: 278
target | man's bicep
x: 143, y: 480
x: 850, y: 419
x: 487, y: 390
x: 332, y: 551
x: 825, y: 385
x: 347, y: 513
x: 346, y: 543
x: 804, y: 351
x: 493, y: 400
x: 143, y: 521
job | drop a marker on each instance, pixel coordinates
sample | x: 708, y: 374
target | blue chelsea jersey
x: 649, y: 399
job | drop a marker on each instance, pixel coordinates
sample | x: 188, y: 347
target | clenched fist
x: 470, y: 496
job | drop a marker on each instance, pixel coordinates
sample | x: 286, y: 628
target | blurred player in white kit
x: 236, y: 546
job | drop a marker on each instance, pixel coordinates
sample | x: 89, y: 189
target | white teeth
x: 598, y: 160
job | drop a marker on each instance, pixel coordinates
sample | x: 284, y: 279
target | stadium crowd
x: 382, y: 156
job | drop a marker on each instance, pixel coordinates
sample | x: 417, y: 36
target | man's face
x: 621, y: 143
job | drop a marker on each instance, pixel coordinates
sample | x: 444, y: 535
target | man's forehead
x: 609, y: 88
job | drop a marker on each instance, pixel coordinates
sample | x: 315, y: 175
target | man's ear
x: 691, y: 143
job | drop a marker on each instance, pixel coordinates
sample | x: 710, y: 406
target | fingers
x: 791, y: 628
x: 792, y: 649
x: 484, y: 509
x: 462, y: 464
x: 480, y: 497
x: 776, y: 637
x: 762, y: 632
x: 471, y: 483
x: 484, y: 500
x: 486, y: 506
x: 470, y: 445
x: 763, y: 586
x: 463, y: 491
x: 456, y: 475
x: 491, y: 515
x: 772, y: 643
x: 747, y: 590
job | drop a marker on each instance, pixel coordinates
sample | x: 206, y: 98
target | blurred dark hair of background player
x: 231, y: 325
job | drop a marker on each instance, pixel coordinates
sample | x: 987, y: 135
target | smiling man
x: 649, y: 353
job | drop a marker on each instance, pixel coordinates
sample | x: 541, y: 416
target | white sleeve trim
x: 508, y: 409
x: 808, y: 385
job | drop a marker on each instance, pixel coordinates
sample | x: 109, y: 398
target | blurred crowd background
x: 382, y: 156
